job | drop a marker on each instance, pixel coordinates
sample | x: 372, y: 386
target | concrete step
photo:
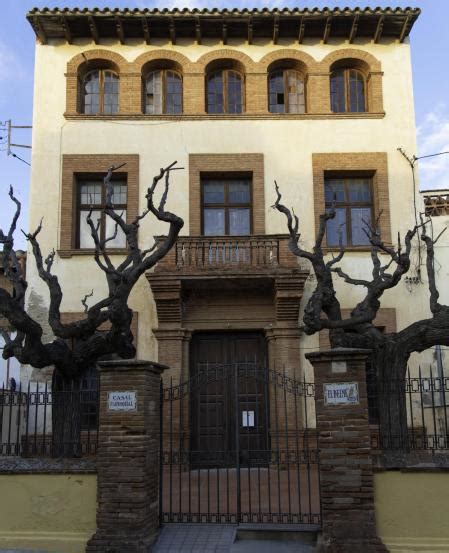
x: 223, y: 538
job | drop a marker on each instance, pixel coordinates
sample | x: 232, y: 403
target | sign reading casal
x: 122, y: 401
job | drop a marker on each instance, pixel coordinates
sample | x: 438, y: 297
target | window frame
x: 164, y: 71
x: 346, y: 78
x: 78, y: 179
x: 101, y: 76
x: 226, y: 205
x: 285, y: 71
x: 225, y: 72
x: 347, y: 205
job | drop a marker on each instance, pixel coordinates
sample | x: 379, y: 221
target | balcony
x: 235, y: 254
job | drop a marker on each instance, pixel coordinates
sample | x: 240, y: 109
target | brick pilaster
x: 128, y: 460
x: 346, y: 472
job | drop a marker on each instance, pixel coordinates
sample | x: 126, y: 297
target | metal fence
x: 37, y: 422
x: 410, y: 414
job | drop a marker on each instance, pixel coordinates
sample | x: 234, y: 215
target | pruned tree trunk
x: 66, y: 416
x: 391, y: 369
x: 390, y: 352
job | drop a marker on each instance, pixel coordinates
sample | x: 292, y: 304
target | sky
x: 429, y: 58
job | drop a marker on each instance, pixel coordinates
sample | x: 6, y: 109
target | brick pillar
x: 346, y: 472
x: 128, y: 458
x: 318, y: 93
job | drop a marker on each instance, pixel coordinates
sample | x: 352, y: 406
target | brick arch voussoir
x: 98, y: 54
x: 249, y: 65
x: 155, y: 55
x: 350, y: 53
x: 307, y: 60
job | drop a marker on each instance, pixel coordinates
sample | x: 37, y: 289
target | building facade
x: 317, y: 100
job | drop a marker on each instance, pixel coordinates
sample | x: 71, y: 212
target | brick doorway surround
x: 268, y: 304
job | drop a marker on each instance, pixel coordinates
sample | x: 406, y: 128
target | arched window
x: 100, y: 92
x: 286, y: 93
x: 224, y: 92
x: 163, y: 92
x: 348, y: 91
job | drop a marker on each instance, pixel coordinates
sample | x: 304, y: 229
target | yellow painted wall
x: 412, y: 510
x: 52, y: 512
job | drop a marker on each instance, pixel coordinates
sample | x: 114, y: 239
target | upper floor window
x: 224, y: 92
x: 226, y: 206
x: 163, y: 92
x: 348, y: 91
x: 353, y: 201
x: 286, y: 92
x: 91, y: 196
x: 100, y: 92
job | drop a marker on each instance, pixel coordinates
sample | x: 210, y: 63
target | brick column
x: 128, y: 458
x: 318, y: 93
x: 346, y: 472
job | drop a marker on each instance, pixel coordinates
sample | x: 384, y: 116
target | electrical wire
x: 430, y: 155
x: 19, y: 158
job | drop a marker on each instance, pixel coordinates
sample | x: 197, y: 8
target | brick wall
x: 346, y: 472
x: 255, y: 79
x: 373, y: 163
x: 252, y: 164
x: 128, y: 460
x: 75, y: 164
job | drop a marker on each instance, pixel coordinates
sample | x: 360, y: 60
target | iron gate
x: 237, y: 447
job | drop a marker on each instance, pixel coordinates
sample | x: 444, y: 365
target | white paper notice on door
x: 247, y: 418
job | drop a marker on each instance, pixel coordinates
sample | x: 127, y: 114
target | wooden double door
x: 229, y: 400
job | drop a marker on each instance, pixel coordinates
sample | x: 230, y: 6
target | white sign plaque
x: 338, y: 366
x: 122, y: 401
x: 341, y: 393
x: 247, y: 418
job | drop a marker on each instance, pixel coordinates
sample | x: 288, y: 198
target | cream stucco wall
x: 51, y: 512
x: 287, y: 146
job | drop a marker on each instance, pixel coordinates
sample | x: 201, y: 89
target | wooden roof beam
x: 225, y: 32
x: 198, y: 30
x: 250, y: 30
x: 120, y: 31
x: 302, y: 29
x: 327, y: 29
x: 146, y: 30
x: 67, y: 31
x: 39, y: 30
x: 405, y: 28
x: 379, y: 29
x: 354, y: 26
x: 93, y: 29
x: 275, y: 29
x: 172, y: 30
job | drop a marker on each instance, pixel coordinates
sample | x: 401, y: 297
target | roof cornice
x: 315, y: 23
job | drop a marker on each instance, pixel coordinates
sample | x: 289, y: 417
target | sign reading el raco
x: 341, y: 393
x: 122, y: 401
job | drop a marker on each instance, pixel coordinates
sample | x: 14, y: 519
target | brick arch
x: 368, y: 61
x: 163, y: 55
x: 248, y: 64
x: 122, y: 65
x: 304, y: 59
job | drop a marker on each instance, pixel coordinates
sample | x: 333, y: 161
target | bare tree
x: 390, y: 351
x: 106, y: 328
x: 80, y: 344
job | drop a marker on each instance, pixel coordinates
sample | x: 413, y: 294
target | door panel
x: 228, y: 404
